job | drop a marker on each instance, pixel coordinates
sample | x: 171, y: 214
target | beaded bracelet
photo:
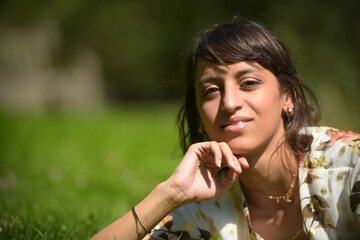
x: 134, y: 213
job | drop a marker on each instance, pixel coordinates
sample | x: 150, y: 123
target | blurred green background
x: 89, y: 95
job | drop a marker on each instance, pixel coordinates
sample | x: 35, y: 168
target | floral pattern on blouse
x: 329, y: 180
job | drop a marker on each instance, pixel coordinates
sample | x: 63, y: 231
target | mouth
x: 236, y: 123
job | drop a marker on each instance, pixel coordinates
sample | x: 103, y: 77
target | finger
x: 227, y: 154
x: 215, y: 148
x: 237, y: 168
x: 243, y: 162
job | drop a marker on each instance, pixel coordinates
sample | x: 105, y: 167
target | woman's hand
x: 194, y: 179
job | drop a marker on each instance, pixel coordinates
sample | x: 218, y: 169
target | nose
x: 232, y: 99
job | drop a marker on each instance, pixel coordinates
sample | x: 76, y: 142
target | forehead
x: 205, y: 68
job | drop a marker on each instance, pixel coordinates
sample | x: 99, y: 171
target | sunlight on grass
x: 67, y: 176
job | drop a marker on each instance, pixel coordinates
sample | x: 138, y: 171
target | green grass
x: 66, y: 176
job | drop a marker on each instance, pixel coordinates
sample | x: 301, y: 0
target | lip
x: 235, y: 124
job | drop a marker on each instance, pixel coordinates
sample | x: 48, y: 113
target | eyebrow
x: 245, y: 71
x: 237, y: 75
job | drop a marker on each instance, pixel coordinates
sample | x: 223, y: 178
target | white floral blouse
x: 329, y: 179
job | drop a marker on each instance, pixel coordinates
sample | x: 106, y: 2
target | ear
x: 287, y: 101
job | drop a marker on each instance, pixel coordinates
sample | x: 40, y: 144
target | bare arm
x: 150, y: 211
x: 192, y: 181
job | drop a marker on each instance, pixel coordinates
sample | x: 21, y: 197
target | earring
x: 290, y: 112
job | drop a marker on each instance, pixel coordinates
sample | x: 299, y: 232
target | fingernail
x: 246, y: 164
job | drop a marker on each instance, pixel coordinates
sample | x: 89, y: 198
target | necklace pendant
x: 287, y: 196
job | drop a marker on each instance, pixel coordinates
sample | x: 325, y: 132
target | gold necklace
x: 287, y: 196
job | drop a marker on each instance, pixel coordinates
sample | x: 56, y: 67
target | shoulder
x: 331, y: 134
x: 332, y: 147
x: 329, y: 182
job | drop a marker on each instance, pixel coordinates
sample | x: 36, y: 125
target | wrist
x: 164, y: 199
x: 175, y: 196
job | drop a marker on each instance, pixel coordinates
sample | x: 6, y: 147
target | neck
x: 269, y: 174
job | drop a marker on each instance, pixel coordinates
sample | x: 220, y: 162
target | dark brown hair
x: 243, y: 40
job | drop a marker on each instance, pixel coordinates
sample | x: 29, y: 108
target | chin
x: 239, y: 145
x: 240, y: 148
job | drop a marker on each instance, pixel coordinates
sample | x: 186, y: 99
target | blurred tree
x: 141, y: 43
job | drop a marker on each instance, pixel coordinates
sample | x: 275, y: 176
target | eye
x: 249, y: 84
x: 210, y: 90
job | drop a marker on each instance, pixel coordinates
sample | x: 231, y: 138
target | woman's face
x: 242, y: 105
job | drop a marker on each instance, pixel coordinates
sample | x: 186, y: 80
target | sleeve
x: 165, y: 229
x: 354, y: 183
x: 349, y: 145
x: 186, y: 222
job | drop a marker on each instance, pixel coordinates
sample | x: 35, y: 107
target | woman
x: 249, y: 151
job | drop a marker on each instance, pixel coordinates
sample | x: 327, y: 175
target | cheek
x: 269, y: 112
x: 208, y: 112
x: 267, y: 103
